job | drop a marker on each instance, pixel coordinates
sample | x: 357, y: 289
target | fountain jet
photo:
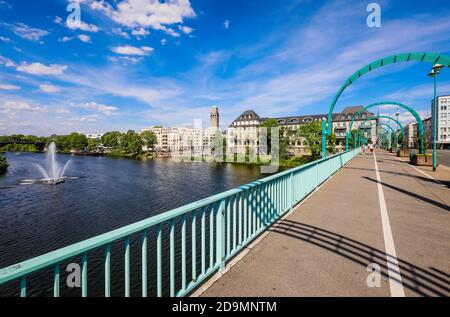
x: 53, y: 174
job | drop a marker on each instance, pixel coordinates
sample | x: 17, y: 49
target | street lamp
x: 433, y: 74
x: 397, y: 113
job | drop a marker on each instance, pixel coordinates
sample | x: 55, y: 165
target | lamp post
x: 397, y: 113
x: 433, y: 74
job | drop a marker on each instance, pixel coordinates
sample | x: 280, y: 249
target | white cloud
x: 27, y: 32
x: 146, y: 13
x: 226, y: 24
x: 9, y: 87
x: 41, y: 69
x: 120, y: 32
x: 140, y: 32
x: 106, y: 110
x: 90, y: 118
x: 65, y: 39
x: 5, y: 39
x: 124, y: 59
x: 50, y: 89
x: 163, y: 42
x: 83, y: 26
x: 13, y: 107
x: 131, y: 50
x: 6, y: 62
x: 185, y: 29
x: 84, y: 38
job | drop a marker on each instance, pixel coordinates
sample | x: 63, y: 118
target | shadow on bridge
x: 422, y: 178
x: 425, y: 282
x: 414, y: 195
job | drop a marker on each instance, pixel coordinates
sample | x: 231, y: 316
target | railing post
x: 220, y: 237
x: 291, y: 190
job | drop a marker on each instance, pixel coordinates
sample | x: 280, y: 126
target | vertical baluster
x: 172, y: 258
x: 234, y: 221
x: 194, y: 245
x: 245, y: 214
x: 107, y: 270
x: 240, y: 217
x: 211, y: 237
x: 220, y: 235
x: 159, y: 261
x: 228, y: 220
x: 266, y: 204
x: 256, y: 209
x: 84, y: 290
x: 127, y: 267
x: 278, y: 198
x: 56, y: 281
x: 203, y: 241
x: 23, y: 287
x: 144, y: 263
x: 249, y: 215
x: 183, y: 252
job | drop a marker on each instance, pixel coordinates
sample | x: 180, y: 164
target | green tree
x: 312, y: 132
x: 149, y: 138
x: 331, y: 143
x: 3, y: 165
x: 112, y: 139
x: 93, y: 144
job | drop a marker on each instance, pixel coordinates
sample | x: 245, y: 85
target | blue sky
x: 131, y: 64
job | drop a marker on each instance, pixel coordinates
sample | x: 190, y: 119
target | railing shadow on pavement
x: 422, y: 178
x: 414, y: 195
x: 424, y: 282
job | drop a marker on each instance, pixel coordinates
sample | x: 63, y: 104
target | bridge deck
x: 323, y: 247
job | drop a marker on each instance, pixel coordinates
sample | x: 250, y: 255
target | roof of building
x: 248, y: 115
x: 252, y: 115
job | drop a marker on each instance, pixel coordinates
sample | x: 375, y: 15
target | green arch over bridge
x: 382, y: 125
x: 407, y: 108
x: 433, y: 58
x: 381, y: 117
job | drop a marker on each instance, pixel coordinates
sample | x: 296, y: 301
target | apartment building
x: 244, y: 130
x: 443, y: 120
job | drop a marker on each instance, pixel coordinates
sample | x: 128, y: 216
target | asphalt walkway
x: 377, y: 212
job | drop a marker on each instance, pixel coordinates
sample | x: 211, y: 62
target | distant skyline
x: 138, y: 63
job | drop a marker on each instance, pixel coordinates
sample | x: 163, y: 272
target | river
x: 107, y: 193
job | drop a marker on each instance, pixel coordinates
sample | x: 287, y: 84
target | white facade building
x: 443, y: 120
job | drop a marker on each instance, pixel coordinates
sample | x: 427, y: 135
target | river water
x: 106, y: 193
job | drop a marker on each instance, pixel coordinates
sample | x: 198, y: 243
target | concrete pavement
x: 325, y: 246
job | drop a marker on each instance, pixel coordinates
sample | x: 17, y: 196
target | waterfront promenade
x: 377, y: 205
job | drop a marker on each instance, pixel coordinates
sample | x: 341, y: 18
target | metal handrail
x: 236, y: 217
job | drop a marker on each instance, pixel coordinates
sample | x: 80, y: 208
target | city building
x: 243, y: 132
x: 177, y: 139
x: 215, y: 118
x: 409, y: 135
x: 443, y: 120
x: 94, y: 136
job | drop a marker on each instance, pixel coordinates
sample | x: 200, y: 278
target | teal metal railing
x: 219, y: 227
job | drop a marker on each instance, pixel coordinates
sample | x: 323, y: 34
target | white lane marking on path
x: 429, y: 176
x: 395, y: 278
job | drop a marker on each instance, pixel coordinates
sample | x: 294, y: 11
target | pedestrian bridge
x: 315, y: 230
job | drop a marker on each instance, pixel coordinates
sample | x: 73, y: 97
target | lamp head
x: 432, y: 73
x: 437, y: 67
